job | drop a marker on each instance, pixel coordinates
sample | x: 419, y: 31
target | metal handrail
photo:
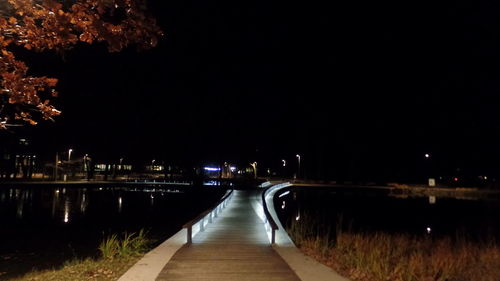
x: 211, y: 212
x: 269, y: 218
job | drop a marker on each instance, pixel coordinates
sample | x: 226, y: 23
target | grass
x: 397, y: 257
x: 117, y: 256
x: 131, y: 244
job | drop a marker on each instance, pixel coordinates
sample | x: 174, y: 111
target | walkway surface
x: 235, y: 247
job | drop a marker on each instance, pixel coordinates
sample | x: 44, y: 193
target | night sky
x: 359, y: 89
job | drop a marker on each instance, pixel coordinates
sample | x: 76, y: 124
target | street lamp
x: 430, y: 180
x: 69, y: 154
x: 298, y: 169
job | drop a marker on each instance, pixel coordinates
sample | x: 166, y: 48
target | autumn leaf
x: 51, y: 82
x: 47, y: 24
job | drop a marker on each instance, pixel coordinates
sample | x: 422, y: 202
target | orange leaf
x: 51, y: 82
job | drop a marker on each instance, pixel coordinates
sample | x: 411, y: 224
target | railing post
x: 190, y: 234
x: 202, y: 226
x: 210, y: 217
x: 273, y: 236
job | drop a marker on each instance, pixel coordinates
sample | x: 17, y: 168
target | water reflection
x: 67, y: 208
x: 70, y: 222
x: 20, y: 208
x: 120, y: 201
x: 367, y: 210
x: 64, y: 205
x: 83, y: 203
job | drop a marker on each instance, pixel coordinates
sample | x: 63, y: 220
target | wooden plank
x: 234, y: 247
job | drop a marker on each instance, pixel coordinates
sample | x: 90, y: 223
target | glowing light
x: 232, y: 169
x: 120, y: 204
x: 284, y: 205
x: 297, y: 217
x: 83, y: 204
x: 427, y: 155
x: 284, y: 193
x: 66, y: 210
x: 455, y: 179
x: 428, y: 229
x: 100, y: 188
x: 211, y: 169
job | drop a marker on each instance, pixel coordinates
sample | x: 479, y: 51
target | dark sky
x: 370, y: 85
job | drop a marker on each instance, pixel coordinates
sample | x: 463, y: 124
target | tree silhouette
x: 58, y: 25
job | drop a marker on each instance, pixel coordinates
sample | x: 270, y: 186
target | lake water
x: 370, y: 210
x: 44, y: 226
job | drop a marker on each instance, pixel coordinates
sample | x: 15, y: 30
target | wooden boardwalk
x: 233, y: 248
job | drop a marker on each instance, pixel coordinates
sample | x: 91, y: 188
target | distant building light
x: 232, y: 169
x: 211, y: 169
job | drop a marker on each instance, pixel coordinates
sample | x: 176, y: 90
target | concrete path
x: 233, y: 248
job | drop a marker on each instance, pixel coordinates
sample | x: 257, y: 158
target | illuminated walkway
x: 233, y: 248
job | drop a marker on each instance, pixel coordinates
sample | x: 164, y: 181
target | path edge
x: 149, y: 266
x: 306, y: 268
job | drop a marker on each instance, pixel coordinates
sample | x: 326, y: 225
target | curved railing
x: 207, y: 216
x: 269, y: 221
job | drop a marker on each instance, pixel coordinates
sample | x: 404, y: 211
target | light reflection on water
x: 48, y: 225
x: 368, y: 210
x: 67, y: 204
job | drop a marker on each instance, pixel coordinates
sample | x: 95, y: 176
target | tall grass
x: 131, y: 244
x: 119, y: 253
x: 397, y: 257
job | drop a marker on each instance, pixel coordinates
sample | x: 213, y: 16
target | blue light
x: 211, y: 169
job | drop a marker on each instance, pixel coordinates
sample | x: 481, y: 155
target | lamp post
x: 298, y: 168
x: 430, y: 180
